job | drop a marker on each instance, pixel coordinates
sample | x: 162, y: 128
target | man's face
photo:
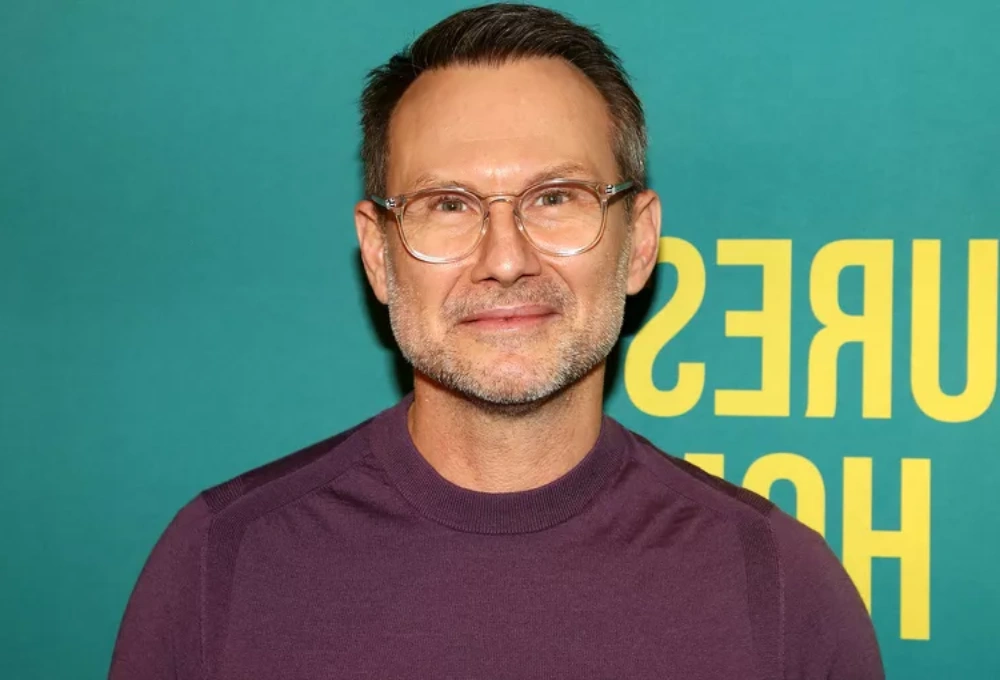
x: 508, y: 325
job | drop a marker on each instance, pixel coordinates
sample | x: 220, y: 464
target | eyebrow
x: 570, y: 170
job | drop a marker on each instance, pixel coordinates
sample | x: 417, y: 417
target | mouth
x: 516, y: 318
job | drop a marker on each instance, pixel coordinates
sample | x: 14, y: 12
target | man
x: 495, y: 524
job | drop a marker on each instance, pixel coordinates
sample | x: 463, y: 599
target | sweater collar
x: 492, y: 513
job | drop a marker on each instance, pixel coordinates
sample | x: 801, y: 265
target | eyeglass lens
x: 557, y: 218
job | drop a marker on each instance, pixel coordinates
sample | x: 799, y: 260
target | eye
x: 449, y: 204
x: 553, y: 197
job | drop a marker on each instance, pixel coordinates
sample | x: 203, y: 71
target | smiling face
x: 507, y: 325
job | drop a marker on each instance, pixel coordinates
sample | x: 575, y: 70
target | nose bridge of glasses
x: 493, y: 221
x: 509, y: 199
x: 499, y: 198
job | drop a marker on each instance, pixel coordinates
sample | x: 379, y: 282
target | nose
x: 505, y: 255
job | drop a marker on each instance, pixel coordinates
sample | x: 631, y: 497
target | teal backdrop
x: 180, y: 298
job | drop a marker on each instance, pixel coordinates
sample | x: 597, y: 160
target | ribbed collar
x: 492, y: 513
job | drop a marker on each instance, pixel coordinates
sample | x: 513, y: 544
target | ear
x: 645, y: 239
x: 371, y: 240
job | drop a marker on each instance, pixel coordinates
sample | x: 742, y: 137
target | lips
x: 517, y: 319
x: 520, y: 311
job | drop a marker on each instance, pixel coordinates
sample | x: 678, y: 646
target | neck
x: 502, y: 450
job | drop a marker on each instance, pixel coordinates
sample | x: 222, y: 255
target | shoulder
x: 297, y: 472
x: 809, y: 617
x: 253, y: 492
x: 160, y: 635
x: 827, y: 628
x: 713, y: 494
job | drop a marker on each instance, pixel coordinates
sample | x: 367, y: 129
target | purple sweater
x: 355, y: 559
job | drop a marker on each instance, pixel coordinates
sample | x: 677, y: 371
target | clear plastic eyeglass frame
x: 397, y: 206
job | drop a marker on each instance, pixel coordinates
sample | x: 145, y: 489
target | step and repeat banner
x: 181, y: 298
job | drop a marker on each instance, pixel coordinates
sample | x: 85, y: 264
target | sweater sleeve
x: 160, y: 633
x: 828, y: 632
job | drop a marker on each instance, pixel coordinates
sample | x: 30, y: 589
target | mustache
x: 547, y: 293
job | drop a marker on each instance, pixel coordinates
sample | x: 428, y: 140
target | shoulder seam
x: 780, y: 567
x: 218, y: 498
x: 767, y: 636
x: 230, y: 521
x: 319, y: 485
x: 740, y: 495
x: 715, y: 511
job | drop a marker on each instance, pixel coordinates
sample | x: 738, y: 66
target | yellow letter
x: 911, y: 543
x: 660, y: 330
x: 981, y: 348
x: 872, y: 328
x: 712, y: 463
x: 810, y: 494
x: 772, y: 323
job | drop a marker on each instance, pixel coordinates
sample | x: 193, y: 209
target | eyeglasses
x: 559, y: 217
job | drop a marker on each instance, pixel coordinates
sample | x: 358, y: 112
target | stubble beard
x: 499, y: 386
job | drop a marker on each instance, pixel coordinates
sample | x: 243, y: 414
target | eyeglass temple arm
x: 612, y: 189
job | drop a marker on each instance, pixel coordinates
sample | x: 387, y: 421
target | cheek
x: 594, y: 285
x: 422, y: 291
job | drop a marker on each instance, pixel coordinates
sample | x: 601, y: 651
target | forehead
x: 494, y: 127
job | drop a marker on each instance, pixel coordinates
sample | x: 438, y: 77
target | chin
x: 515, y: 386
x: 498, y: 378
x: 509, y: 401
